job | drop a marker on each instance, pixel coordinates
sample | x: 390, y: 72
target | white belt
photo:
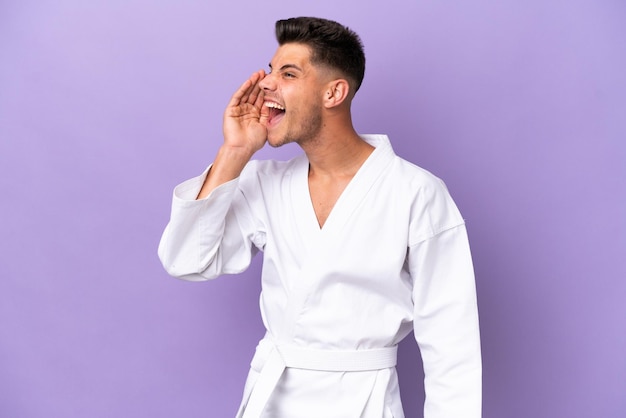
x: 272, y: 365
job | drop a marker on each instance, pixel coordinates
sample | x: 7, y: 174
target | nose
x: 268, y: 83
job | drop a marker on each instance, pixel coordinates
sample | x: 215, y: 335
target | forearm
x: 227, y: 166
x: 192, y: 246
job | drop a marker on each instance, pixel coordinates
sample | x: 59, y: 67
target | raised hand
x: 245, y: 133
x: 245, y: 116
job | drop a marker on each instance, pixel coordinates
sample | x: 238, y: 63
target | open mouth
x: 276, y: 113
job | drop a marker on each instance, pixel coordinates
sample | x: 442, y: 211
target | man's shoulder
x: 401, y: 169
x: 414, y: 175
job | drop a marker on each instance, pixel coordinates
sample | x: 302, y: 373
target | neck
x: 337, y: 151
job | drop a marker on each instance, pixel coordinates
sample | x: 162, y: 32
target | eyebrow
x: 286, y: 67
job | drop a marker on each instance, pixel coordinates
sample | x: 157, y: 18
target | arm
x: 203, y: 238
x: 446, y: 324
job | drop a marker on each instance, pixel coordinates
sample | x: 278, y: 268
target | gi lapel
x: 319, y: 244
x: 357, y: 189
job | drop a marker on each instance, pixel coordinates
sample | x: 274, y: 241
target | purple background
x: 520, y: 106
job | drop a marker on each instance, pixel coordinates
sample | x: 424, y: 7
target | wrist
x: 227, y: 166
x: 234, y: 155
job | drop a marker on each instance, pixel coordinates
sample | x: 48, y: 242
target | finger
x: 258, y: 94
x: 264, y: 115
x: 254, y: 93
x: 241, y: 95
x: 251, y: 94
x: 236, y: 99
x: 258, y: 99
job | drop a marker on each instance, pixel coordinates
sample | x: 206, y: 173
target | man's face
x: 293, y: 91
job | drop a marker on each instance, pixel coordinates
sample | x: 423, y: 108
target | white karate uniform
x: 392, y: 257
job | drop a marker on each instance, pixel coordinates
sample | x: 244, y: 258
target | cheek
x: 307, y: 105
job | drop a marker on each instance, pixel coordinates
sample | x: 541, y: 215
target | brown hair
x: 331, y: 44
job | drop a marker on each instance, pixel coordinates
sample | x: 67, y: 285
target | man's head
x: 313, y: 77
x: 332, y: 45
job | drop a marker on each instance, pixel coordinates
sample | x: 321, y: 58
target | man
x: 360, y: 247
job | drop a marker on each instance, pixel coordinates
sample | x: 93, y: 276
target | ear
x: 336, y: 93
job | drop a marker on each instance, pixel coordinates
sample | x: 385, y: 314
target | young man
x: 360, y: 247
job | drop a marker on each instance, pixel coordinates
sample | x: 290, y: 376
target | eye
x: 289, y: 75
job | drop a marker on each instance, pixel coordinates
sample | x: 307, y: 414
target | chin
x: 273, y: 142
x: 277, y: 141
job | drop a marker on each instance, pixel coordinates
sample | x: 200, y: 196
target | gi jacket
x: 392, y: 257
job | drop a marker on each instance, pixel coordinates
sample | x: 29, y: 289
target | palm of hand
x: 245, y: 117
x: 243, y: 124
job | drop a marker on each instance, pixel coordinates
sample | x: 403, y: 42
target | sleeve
x: 446, y: 323
x: 204, y: 238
